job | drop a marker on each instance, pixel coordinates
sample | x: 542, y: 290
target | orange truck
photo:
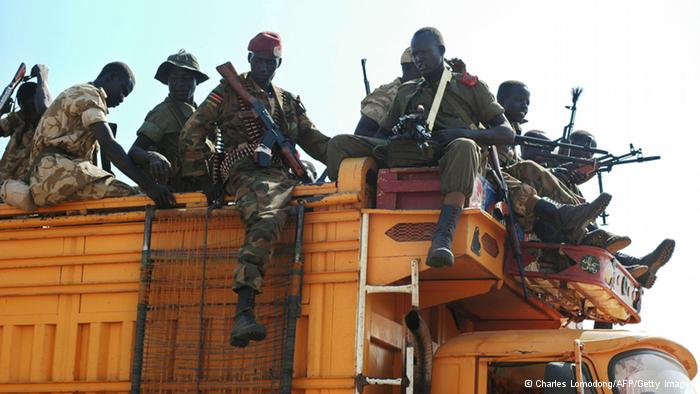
x: 113, y: 296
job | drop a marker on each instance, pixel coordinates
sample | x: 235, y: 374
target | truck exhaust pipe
x: 423, y: 344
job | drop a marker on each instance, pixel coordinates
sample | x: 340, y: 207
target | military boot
x: 440, y: 253
x: 654, y: 260
x: 245, y: 328
x: 637, y: 270
x: 572, y: 220
x: 606, y: 240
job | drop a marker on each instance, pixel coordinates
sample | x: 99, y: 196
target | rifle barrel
x: 531, y: 141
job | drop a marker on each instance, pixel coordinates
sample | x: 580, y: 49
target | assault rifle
x: 7, y: 92
x: 506, y: 206
x: 272, y: 139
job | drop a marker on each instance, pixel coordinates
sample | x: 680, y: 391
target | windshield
x: 648, y: 372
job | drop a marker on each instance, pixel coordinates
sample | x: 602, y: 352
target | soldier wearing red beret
x: 262, y: 194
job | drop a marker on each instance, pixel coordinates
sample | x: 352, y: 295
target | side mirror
x: 559, y: 375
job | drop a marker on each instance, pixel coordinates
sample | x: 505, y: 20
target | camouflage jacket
x: 376, y: 105
x: 65, y: 126
x: 15, y: 161
x: 224, y: 109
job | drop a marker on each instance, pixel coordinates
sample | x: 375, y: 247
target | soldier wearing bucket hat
x: 156, y: 146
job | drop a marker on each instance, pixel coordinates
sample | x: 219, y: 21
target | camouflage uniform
x: 377, y: 104
x: 60, y: 162
x: 162, y: 126
x: 262, y: 194
x: 464, y: 105
x: 15, y: 161
x: 525, y: 179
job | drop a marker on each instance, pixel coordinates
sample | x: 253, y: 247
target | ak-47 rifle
x: 364, y: 74
x: 505, y: 210
x: 7, y: 92
x: 272, y: 140
x: 569, y: 128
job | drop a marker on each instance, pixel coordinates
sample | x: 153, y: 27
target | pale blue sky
x: 638, y: 62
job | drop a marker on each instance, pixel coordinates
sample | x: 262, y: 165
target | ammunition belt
x: 253, y: 129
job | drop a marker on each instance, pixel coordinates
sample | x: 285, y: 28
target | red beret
x: 266, y: 43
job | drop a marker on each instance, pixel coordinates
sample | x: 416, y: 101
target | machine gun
x: 272, y: 139
x: 7, y: 92
x: 597, y: 166
x: 569, y: 128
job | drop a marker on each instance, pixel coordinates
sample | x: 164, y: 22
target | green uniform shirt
x: 462, y: 106
x: 163, y: 125
x: 15, y: 161
x: 222, y: 108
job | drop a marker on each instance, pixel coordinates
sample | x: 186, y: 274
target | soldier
x: 375, y: 106
x: 262, y: 194
x: 527, y: 178
x: 463, y: 104
x: 537, y: 154
x: 33, y: 99
x: 654, y: 260
x: 156, y: 145
x: 68, y: 133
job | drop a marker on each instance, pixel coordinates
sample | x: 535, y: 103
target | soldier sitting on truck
x: 653, y: 260
x: 68, y: 133
x: 262, y: 194
x: 157, y: 141
x: 33, y: 99
x: 456, y: 104
x: 514, y: 96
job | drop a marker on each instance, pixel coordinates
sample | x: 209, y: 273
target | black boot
x: 245, y: 328
x: 572, y: 220
x: 440, y: 253
x: 654, y: 260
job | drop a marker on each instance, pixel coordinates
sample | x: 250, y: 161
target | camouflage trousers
x: 263, y: 197
x: 460, y: 161
x: 58, y: 178
x: 526, y: 179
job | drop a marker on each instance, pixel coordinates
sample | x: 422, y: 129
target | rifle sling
x: 437, y: 100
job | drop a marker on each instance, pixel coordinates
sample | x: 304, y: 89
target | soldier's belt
x: 234, y: 155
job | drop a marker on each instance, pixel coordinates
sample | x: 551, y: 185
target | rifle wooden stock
x: 7, y: 92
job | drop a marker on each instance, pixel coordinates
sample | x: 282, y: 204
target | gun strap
x: 437, y: 100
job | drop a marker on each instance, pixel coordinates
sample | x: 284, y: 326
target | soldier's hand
x: 213, y: 191
x: 457, y: 65
x: 39, y: 71
x: 159, y: 167
x: 161, y: 195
